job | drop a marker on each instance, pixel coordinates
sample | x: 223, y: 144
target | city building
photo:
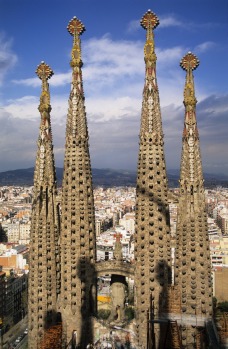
x: 13, y: 298
x: 222, y: 219
x: 19, y: 232
x: 128, y: 222
x: 2, y: 294
x: 220, y: 283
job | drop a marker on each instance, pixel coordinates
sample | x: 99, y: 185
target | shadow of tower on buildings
x: 153, y: 254
x: 88, y: 277
x: 159, y: 334
x: 165, y: 339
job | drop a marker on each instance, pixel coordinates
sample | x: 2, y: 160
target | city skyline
x: 113, y: 73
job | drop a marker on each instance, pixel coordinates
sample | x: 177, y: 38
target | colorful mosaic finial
x: 76, y: 28
x: 149, y: 20
x: 43, y: 71
x: 189, y: 61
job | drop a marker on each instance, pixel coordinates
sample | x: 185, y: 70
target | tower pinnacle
x: 152, y: 237
x: 78, y: 253
x: 76, y: 28
x: 149, y: 22
x: 193, y: 270
x: 189, y: 63
x: 190, y: 133
x: 44, y: 72
x: 44, y: 273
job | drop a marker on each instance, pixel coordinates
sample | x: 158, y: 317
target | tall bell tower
x: 193, y: 265
x: 152, y: 236
x: 78, y: 250
x: 44, y: 274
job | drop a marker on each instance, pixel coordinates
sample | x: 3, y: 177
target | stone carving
x: 118, y: 292
x: 77, y: 266
x: 44, y: 278
x: 152, y: 237
x: 192, y: 247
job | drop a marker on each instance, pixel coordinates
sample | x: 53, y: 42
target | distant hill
x: 105, y: 177
x: 101, y: 177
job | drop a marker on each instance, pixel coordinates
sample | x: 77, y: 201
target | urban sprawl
x: 115, y: 216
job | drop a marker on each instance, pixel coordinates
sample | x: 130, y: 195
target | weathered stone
x: 44, y: 276
x: 152, y: 236
x: 193, y: 265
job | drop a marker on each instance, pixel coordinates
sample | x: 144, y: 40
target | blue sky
x: 32, y: 31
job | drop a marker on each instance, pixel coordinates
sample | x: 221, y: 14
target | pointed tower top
x: 149, y: 20
x: 189, y: 62
x: 43, y: 71
x: 76, y: 28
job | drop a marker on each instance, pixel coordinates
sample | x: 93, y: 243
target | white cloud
x: 8, y: 59
x: 115, y: 68
x: 205, y: 46
x: 164, y: 22
x: 113, y: 77
x: 58, y: 79
x: 32, y: 82
x: 170, y: 21
x: 18, y: 141
x: 133, y: 26
x: 112, y: 109
x: 23, y: 108
x: 26, y: 108
x: 106, y: 63
x: 113, y: 128
x: 169, y: 55
x: 113, y: 53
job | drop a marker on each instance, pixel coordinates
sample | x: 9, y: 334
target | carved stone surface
x: 44, y: 275
x: 74, y: 293
x: 152, y: 237
x: 118, y: 291
x: 193, y: 265
x: 78, y: 253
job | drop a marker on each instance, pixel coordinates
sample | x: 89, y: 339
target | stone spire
x: 44, y: 280
x: 193, y: 266
x: 78, y: 250
x: 152, y: 237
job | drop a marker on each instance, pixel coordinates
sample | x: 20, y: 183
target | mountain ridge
x: 105, y: 177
